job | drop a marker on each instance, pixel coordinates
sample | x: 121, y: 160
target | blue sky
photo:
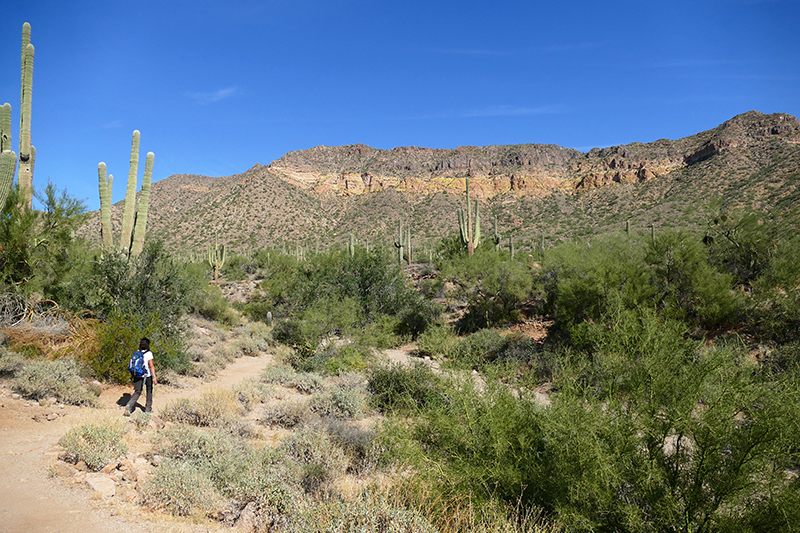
x: 216, y: 87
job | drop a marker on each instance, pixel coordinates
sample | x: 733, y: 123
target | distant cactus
x: 216, y: 258
x: 399, y: 243
x: 511, y: 246
x: 408, y: 244
x: 470, y: 237
x: 351, y: 246
x: 496, y: 237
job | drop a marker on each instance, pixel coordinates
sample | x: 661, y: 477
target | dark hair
x: 144, y: 344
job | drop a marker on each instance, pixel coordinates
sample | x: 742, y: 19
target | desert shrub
x: 304, y: 382
x: 366, y: 515
x: 356, y: 442
x: 472, y: 351
x: 341, y: 402
x: 250, y: 392
x: 217, y: 408
x: 396, y: 388
x: 286, y: 414
x: 95, y: 444
x: 336, y: 293
x: 333, y: 359
x: 181, y: 489
x: 684, y: 282
x: 10, y: 362
x: 208, y: 302
x: 119, y: 337
x: 235, y: 470
x: 494, y: 288
x: 257, y: 310
x: 436, y: 341
x: 54, y: 379
x: 320, y: 459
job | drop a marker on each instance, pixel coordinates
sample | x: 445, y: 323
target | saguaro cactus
x: 216, y: 258
x: 134, y: 218
x: 27, y: 153
x: 144, y: 204
x: 470, y: 237
x: 399, y: 243
x: 408, y: 244
x: 130, y: 194
x: 106, y: 183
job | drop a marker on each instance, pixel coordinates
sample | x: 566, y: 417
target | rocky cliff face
x: 529, y: 169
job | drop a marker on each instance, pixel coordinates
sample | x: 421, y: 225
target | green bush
x: 119, y: 338
x: 96, y: 445
x: 436, y: 341
x: 333, y: 359
x: 54, y: 379
x: 473, y: 351
x: 396, y: 388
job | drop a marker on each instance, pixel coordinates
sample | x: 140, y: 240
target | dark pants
x: 137, y: 391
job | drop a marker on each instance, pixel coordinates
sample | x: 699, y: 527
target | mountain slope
x: 325, y: 193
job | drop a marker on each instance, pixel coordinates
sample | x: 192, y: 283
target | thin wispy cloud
x: 687, y: 63
x: 213, y: 96
x: 488, y: 52
x: 510, y: 111
x: 112, y: 125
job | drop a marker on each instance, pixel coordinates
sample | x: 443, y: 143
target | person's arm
x: 153, y: 371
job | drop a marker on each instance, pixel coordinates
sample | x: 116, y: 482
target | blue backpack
x: 136, y: 365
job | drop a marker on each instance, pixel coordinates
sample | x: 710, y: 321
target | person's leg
x: 137, y: 391
x: 149, y: 403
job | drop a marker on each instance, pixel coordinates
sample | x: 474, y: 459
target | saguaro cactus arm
x: 144, y: 205
x: 130, y: 195
x: 8, y: 164
x: 5, y: 127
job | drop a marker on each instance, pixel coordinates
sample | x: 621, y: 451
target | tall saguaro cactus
x: 106, y: 183
x: 144, y: 204
x: 470, y: 237
x: 216, y: 258
x: 399, y: 243
x: 134, y: 218
x: 130, y: 194
x: 27, y: 153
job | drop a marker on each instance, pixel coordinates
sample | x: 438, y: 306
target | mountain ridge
x: 326, y: 192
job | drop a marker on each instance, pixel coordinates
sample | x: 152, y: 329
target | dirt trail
x: 32, y: 502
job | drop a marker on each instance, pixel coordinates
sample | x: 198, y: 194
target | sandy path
x: 32, y: 502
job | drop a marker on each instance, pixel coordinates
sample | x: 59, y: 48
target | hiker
x: 143, y: 372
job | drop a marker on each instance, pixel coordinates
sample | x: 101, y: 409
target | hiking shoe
x: 127, y: 412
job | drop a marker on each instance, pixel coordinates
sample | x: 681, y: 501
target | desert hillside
x: 324, y: 194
